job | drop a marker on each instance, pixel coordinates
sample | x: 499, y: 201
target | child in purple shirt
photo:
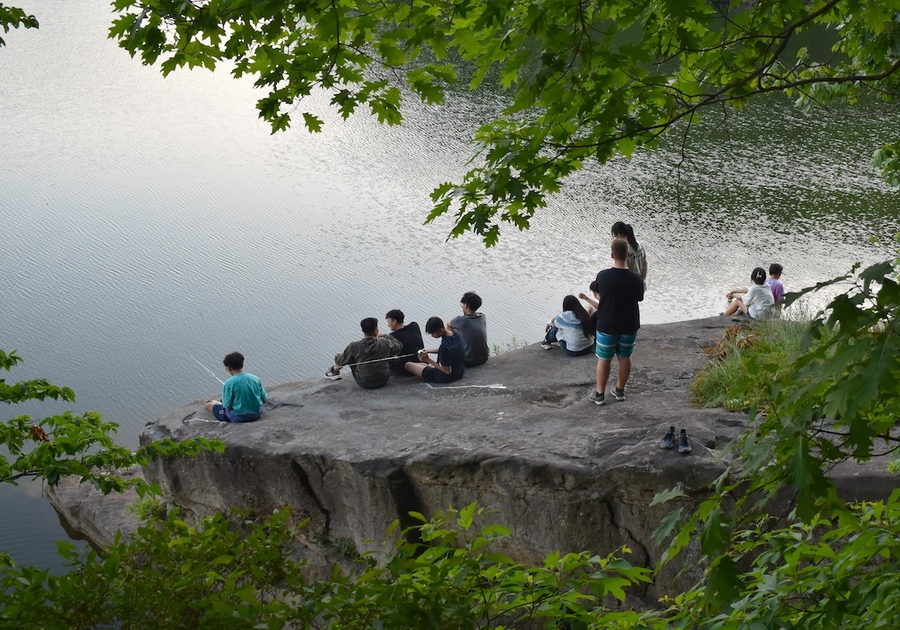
x: 774, y: 283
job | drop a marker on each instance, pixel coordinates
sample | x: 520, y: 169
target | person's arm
x: 424, y: 358
x: 734, y: 293
x: 228, y: 395
x: 394, y: 345
x: 344, y: 358
x: 594, y: 303
x: 446, y: 369
x: 751, y: 297
x: 443, y: 356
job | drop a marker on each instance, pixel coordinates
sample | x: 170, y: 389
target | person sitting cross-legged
x: 243, y: 394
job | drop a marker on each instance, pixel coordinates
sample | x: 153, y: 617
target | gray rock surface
x: 517, y: 434
x: 93, y: 515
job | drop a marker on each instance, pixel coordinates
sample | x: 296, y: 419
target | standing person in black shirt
x: 618, y: 320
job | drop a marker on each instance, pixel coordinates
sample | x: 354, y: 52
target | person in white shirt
x: 755, y: 302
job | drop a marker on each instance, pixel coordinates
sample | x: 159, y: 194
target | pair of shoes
x: 546, y: 345
x: 597, y: 398
x: 332, y: 374
x: 668, y: 441
x: 619, y: 393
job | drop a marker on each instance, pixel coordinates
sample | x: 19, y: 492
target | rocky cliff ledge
x: 517, y: 434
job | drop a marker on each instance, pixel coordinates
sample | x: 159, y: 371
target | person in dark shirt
x: 618, y: 320
x: 407, y: 334
x: 450, y: 364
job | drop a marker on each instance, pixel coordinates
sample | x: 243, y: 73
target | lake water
x: 146, y: 221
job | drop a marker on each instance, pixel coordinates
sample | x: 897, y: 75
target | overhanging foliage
x: 583, y: 80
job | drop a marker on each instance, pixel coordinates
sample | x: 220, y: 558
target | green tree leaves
x: 14, y: 17
x: 581, y: 81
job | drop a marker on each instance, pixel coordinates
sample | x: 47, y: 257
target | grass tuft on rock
x: 745, y: 362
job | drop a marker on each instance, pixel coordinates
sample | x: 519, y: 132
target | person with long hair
x: 755, y: 302
x: 572, y: 329
x: 637, y: 259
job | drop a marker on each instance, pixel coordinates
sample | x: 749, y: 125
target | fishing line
x: 211, y: 373
x: 399, y: 356
x: 494, y: 386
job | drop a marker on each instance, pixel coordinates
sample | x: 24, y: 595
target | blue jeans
x: 551, y: 337
x: 227, y: 415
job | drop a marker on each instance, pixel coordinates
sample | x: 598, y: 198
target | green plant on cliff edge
x: 66, y: 445
x: 149, y: 508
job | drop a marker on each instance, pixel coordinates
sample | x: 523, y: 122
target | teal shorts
x: 610, y: 345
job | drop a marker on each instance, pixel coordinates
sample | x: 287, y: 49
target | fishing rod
x: 399, y: 356
x: 211, y: 373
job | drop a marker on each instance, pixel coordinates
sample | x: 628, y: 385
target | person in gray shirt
x: 472, y: 327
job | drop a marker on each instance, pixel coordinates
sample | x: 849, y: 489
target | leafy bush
x: 149, y: 508
x: 219, y: 573
x: 224, y: 573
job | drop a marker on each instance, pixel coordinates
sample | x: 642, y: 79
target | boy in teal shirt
x: 243, y: 394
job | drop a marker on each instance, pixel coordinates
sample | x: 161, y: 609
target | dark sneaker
x: 684, y: 446
x: 619, y: 393
x: 668, y: 440
x: 332, y: 374
x: 546, y: 345
x: 597, y: 398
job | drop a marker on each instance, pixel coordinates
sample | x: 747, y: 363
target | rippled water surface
x: 146, y: 221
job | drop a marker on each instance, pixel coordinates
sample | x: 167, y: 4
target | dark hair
x: 433, y: 325
x: 369, y: 325
x: 472, y: 300
x: 775, y: 269
x: 620, y: 249
x: 395, y: 314
x: 593, y: 286
x: 758, y: 276
x: 234, y: 361
x: 572, y: 303
x: 620, y: 229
